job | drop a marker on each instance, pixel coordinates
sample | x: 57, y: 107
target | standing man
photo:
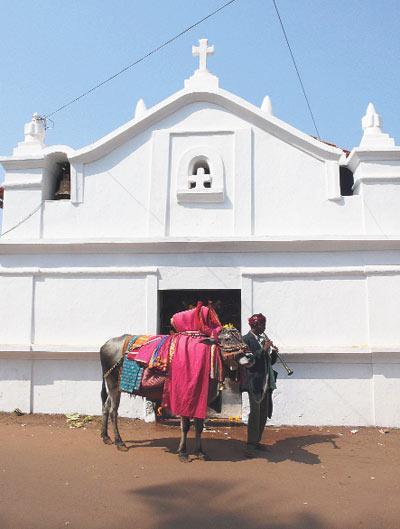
x: 259, y: 381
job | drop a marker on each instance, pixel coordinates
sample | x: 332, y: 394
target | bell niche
x: 57, y: 179
x: 63, y: 182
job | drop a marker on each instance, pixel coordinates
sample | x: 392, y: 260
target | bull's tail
x: 104, y: 393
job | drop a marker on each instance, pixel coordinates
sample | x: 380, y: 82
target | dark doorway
x: 226, y: 303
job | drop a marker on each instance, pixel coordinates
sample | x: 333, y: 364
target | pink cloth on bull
x: 202, y: 319
x: 186, y: 388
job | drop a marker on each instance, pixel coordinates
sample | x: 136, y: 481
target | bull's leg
x: 199, y: 425
x: 104, y: 427
x: 115, y: 397
x: 106, y: 403
x: 182, y: 450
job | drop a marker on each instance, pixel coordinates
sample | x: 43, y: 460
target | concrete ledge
x: 78, y: 270
x: 318, y: 271
x: 50, y: 352
x: 290, y: 243
x: 292, y: 354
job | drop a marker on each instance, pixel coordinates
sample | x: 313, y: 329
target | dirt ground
x: 54, y: 477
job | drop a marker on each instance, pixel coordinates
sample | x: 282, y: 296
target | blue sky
x: 51, y: 51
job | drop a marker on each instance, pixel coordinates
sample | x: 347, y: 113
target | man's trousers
x: 257, y: 417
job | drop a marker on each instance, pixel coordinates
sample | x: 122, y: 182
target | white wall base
x: 319, y: 393
x: 58, y: 386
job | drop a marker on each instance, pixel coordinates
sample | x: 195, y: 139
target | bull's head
x: 233, y: 349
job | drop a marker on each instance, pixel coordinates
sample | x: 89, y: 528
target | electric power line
x: 155, y: 50
x: 297, y: 70
x: 22, y: 220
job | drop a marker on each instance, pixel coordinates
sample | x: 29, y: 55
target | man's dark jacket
x: 253, y: 379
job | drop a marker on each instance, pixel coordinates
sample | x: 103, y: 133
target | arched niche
x: 200, y: 176
x: 57, y: 177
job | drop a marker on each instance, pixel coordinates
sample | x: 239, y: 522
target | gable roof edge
x: 219, y: 97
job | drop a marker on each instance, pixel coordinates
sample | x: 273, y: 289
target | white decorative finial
x: 202, y: 51
x: 35, y: 130
x: 267, y: 105
x: 371, y: 119
x: 140, y: 109
x: 373, y: 136
x: 34, y: 133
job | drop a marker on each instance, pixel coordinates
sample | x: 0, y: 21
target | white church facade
x: 204, y: 192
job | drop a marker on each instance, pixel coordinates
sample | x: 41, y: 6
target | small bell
x: 64, y: 183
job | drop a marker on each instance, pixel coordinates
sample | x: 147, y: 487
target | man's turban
x: 256, y: 319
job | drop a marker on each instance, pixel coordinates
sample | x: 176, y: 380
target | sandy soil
x: 54, y: 477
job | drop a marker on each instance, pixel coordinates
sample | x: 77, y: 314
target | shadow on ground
x: 290, y: 449
x: 205, y: 504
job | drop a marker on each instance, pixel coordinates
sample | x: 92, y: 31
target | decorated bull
x: 182, y: 371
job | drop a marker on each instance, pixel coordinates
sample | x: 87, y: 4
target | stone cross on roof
x: 202, y: 51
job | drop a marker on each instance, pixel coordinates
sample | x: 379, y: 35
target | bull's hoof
x: 122, y: 446
x: 183, y: 456
x: 201, y: 456
x: 107, y: 440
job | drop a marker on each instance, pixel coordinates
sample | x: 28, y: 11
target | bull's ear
x: 209, y: 341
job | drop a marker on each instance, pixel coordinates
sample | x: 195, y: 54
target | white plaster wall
x: 317, y: 394
x: 58, y: 386
x: 61, y: 386
x: 325, y: 394
x: 303, y: 310
x: 202, y: 117
x: 331, y: 319
x: 184, y: 262
x: 62, y: 219
x: 289, y: 186
x: 15, y: 384
x: 88, y: 310
x: 202, y: 219
x: 15, y: 309
x: 22, y: 199
x: 309, y: 312
x: 290, y: 193
x: 314, y: 311
x: 386, y: 393
x: 384, y: 310
x: 206, y: 275
x: 381, y: 208
x: 115, y: 202
x: 20, y: 204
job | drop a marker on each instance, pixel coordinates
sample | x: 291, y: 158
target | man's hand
x: 267, y: 344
